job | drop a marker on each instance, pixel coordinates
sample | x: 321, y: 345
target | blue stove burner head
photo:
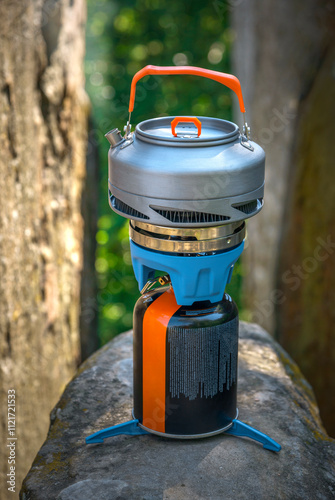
x: 193, y: 278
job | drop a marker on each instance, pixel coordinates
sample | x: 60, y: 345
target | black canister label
x: 201, y: 378
x: 203, y: 361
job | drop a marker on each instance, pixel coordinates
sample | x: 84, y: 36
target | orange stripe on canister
x: 155, y: 322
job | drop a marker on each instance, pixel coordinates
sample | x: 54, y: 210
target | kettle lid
x: 187, y: 131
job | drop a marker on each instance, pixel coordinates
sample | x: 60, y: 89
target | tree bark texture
x: 43, y: 115
x: 284, y: 57
x: 88, y: 325
x: 306, y: 277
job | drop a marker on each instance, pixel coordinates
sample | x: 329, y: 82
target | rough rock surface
x: 273, y: 397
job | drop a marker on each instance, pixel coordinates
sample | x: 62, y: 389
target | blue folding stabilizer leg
x: 244, y: 430
x: 131, y: 428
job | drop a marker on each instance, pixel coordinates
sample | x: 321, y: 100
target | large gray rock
x: 273, y: 397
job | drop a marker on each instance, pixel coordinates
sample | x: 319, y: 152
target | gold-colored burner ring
x: 187, y: 240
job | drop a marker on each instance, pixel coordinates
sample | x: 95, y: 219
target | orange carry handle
x: 185, y: 119
x: 228, y: 80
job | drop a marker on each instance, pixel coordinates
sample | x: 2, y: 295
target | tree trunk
x: 43, y: 109
x: 89, y: 340
x: 283, y: 57
x: 306, y: 275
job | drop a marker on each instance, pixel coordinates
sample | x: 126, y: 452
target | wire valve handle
x: 154, y: 283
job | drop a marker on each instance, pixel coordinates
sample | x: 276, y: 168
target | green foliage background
x: 122, y: 37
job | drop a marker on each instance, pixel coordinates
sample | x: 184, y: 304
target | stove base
x: 236, y: 428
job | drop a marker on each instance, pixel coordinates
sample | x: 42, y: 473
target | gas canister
x: 185, y: 365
